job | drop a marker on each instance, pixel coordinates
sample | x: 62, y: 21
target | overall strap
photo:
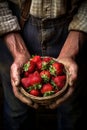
x: 25, y: 12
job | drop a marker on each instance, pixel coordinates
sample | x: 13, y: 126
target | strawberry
x: 26, y: 74
x: 35, y: 92
x: 42, y: 65
x: 47, y: 59
x: 36, y: 78
x: 59, y: 81
x: 45, y: 75
x: 26, y: 82
x: 29, y: 67
x: 36, y: 58
x: 33, y: 81
x: 46, y: 87
x: 56, y: 68
x: 39, y: 65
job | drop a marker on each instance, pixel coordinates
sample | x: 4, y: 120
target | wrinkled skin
x: 21, y: 55
x: 72, y: 70
x: 67, y: 56
x: 15, y: 80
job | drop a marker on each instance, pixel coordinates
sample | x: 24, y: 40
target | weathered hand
x: 67, y: 56
x: 20, y: 55
x: 15, y: 80
x: 72, y: 70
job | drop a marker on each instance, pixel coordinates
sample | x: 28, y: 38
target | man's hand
x: 72, y: 70
x: 67, y: 56
x: 15, y: 80
x: 20, y: 55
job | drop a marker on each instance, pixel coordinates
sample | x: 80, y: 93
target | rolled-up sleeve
x: 79, y: 21
x: 8, y: 22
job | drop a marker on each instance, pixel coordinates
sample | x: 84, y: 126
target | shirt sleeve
x: 8, y: 22
x: 79, y: 21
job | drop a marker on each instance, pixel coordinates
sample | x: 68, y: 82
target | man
x: 58, y: 29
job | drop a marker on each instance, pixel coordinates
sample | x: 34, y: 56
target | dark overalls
x: 45, y: 38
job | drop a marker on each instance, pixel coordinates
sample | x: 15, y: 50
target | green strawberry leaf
x: 29, y: 88
x: 26, y: 66
x: 48, y: 93
x: 51, y: 62
x: 52, y: 70
x: 37, y: 86
x: 45, y: 78
x: 54, y: 85
x: 44, y: 66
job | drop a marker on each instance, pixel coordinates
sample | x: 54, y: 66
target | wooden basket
x: 48, y: 99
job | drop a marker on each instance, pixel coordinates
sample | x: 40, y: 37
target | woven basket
x: 48, y: 99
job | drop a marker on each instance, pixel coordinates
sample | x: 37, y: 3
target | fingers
x: 73, y: 73
x: 15, y: 75
x: 62, y: 99
x: 23, y: 98
x: 15, y: 81
x: 71, y: 68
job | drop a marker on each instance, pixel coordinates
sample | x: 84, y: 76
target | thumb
x: 15, y: 77
x: 17, y: 82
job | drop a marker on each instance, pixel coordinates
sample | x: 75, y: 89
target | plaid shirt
x: 46, y: 9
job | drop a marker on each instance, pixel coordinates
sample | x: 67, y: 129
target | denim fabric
x: 44, y: 38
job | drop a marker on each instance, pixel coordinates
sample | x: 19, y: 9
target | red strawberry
x: 45, y: 75
x: 56, y: 68
x: 35, y: 92
x: 59, y: 81
x: 46, y: 88
x: 36, y: 58
x: 42, y: 65
x: 26, y: 82
x: 36, y: 78
x: 29, y: 67
x: 39, y: 65
x: 33, y: 80
x: 47, y: 59
x: 26, y: 74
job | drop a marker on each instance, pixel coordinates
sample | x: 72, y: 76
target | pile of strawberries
x: 43, y: 76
